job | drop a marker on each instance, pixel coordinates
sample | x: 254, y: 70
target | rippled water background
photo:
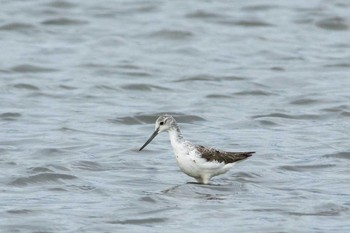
x: 82, y: 82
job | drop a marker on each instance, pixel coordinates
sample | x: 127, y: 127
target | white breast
x: 187, y: 159
x: 187, y: 156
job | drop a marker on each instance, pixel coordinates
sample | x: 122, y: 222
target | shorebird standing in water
x: 199, y: 162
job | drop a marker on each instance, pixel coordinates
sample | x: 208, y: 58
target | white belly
x: 188, y: 162
x: 195, y: 166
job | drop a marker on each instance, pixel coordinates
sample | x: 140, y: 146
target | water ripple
x: 344, y: 65
x: 20, y: 211
x: 206, y: 192
x: 201, y: 14
x: 305, y: 101
x: 144, y: 87
x: 210, y: 78
x: 255, y: 92
x: 288, y: 116
x: 25, y: 68
x: 10, y: 116
x: 245, y: 23
x: 150, y: 119
x: 16, y: 26
x: 41, y: 178
x: 45, y: 152
x: 334, y: 24
x: 338, y: 155
x: 306, y: 168
x: 218, y: 96
x: 173, y: 34
x: 39, y: 170
x: 61, y: 4
x: 25, y: 86
x: 329, y: 209
x: 258, y: 7
x: 88, y: 165
x: 64, y: 22
x: 143, y: 221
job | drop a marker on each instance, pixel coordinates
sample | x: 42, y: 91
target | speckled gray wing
x: 211, y: 154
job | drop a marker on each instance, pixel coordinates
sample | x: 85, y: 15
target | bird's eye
x: 161, y: 123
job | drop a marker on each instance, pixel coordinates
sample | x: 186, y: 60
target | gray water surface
x: 82, y: 82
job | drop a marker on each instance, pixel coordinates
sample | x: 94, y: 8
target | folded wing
x: 212, y: 154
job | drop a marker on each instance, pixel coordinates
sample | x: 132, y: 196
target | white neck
x: 175, y: 136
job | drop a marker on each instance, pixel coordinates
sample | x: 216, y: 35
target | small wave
x: 334, y: 24
x: 206, y: 192
x: 150, y: 119
x: 259, y: 7
x: 64, y: 22
x: 267, y: 123
x: 146, y: 9
x: 246, y: 23
x: 245, y: 177
x: 147, y: 199
x: 10, y: 116
x: 141, y: 221
x: 339, y: 108
x: 210, y: 78
x: 25, y: 68
x: 304, y: 101
x: 144, y: 87
x: 58, y: 189
x: 338, y: 65
x: 277, y: 68
x: 49, y: 152
x: 218, y: 96
x: 329, y: 209
x: 67, y: 87
x: 339, y: 155
x: 40, y: 170
x: 255, y: 92
x: 200, y: 14
x: 173, y: 34
x: 137, y: 73
x: 88, y: 165
x: 26, y: 86
x: 61, y: 4
x: 345, y: 113
x: 20, y: 211
x: 305, y: 168
x: 16, y: 26
x: 105, y: 87
x: 287, y: 116
x: 41, y: 178
x: 129, y: 67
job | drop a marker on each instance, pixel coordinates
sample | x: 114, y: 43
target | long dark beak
x: 150, y: 139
